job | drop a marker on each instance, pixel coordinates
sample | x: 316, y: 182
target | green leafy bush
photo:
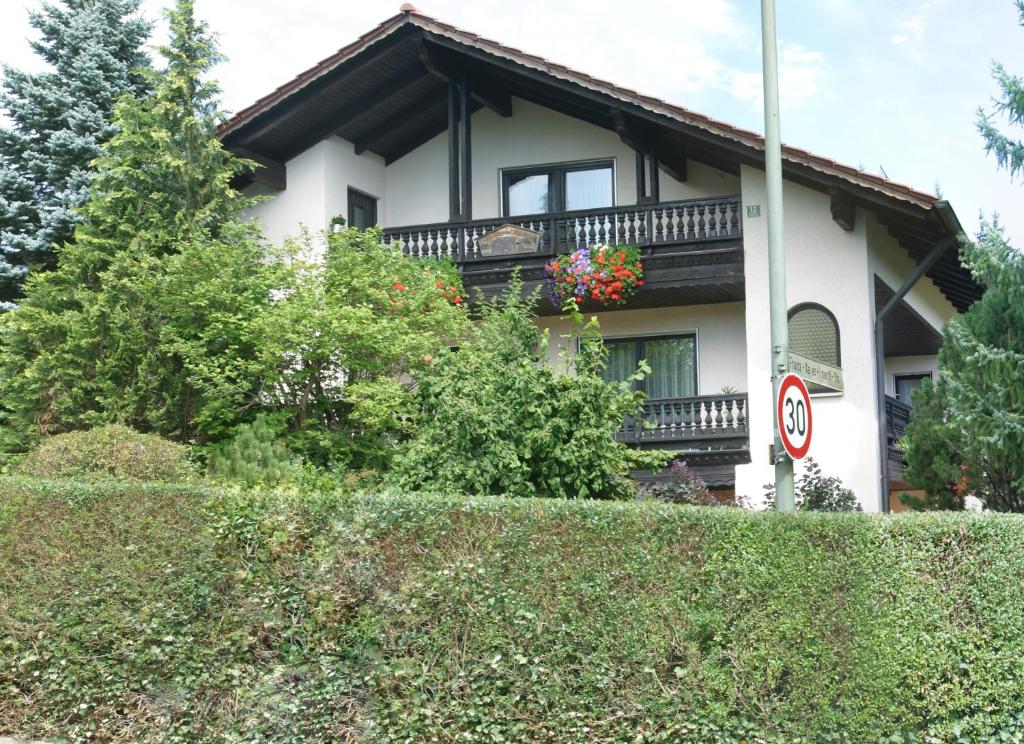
x: 681, y: 486
x: 112, y: 451
x: 496, y: 419
x: 169, y: 613
x: 813, y: 491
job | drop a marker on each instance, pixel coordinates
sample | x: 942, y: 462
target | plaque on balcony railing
x: 509, y: 240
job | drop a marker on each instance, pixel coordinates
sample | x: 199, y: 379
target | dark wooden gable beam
x: 485, y: 89
x: 335, y: 123
x: 844, y: 209
x: 643, y: 139
x: 269, y: 172
x: 417, y: 137
x: 288, y: 109
x: 410, y: 119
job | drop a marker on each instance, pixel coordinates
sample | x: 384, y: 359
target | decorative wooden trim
x: 844, y: 209
x: 269, y: 171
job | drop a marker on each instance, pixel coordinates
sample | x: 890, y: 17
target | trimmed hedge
x: 111, y: 451
x: 160, y: 612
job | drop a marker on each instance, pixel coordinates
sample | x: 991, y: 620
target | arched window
x: 814, y: 333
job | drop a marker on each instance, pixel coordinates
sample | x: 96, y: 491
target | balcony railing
x: 897, y: 416
x: 706, y: 417
x: 673, y: 223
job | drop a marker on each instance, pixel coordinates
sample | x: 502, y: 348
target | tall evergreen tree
x: 967, y: 433
x: 1008, y: 150
x: 59, y: 119
x: 144, y: 320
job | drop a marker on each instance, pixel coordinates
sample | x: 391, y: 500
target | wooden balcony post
x: 454, y: 202
x: 465, y: 150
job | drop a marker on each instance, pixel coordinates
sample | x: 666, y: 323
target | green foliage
x: 109, y: 452
x: 682, y: 486
x: 967, y: 432
x: 58, y: 119
x: 346, y: 343
x: 1009, y: 151
x: 171, y: 613
x: 254, y: 457
x: 149, y: 318
x: 495, y: 419
x: 816, y: 492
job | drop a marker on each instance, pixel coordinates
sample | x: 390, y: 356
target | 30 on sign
x: 793, y: 413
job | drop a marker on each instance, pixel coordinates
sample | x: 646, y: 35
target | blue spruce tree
x: 59, y: 120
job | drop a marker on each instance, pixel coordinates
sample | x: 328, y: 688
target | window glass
x: 813, y: 333
x: 672, y: 367
x: 529, y: 194
x: 673, y: 363
x: 907, y: 384
x: 588, y: 189
x: 622, y: 359
x: 362, y: 210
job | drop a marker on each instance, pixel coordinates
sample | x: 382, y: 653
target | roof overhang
x: 387, y: 93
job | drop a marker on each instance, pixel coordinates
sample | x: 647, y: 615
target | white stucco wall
x: 721, y: 348
x: 417, y: 184
x: 829, y: 266
x: 318, y: 182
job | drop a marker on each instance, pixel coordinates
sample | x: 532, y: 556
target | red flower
x: 398, y: 286
x: 457, y: 300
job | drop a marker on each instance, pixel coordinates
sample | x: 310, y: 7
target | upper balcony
x: 692, y: 248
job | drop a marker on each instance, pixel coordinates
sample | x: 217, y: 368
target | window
x: 906, y: 384
x: 558, y: 188
x: 362, y: 210
x: 672, y: 359
x: 814, y: 333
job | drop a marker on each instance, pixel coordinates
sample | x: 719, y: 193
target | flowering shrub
x: 603, y: 273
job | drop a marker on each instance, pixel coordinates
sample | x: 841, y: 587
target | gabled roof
x: 386, y: 92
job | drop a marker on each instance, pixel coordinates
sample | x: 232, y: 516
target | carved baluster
x: 702, y: 229
x: 734, y: 218
x: 691, y: 231
x: 718, y: 415
x: 730, y: 416
x: 658, y: 233
x: 741, y: 414
x: 723, y: 222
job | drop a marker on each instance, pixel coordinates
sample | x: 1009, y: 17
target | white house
x: 441, y: 136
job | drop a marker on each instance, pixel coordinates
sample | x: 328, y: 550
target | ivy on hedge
x: 173, y: 613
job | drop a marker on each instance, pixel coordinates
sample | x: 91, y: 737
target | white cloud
x: 802, y: 79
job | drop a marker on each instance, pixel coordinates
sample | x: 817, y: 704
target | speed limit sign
x: 793, y: 413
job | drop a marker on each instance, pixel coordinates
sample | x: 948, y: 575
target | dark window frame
x: 353, y: 195
x: 556, y: 173
x: 639, y: 349
x: 908, y: 376
x: 835, y: 324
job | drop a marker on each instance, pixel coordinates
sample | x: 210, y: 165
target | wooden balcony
x: 710, y: 429
x: 897, y: 417
x: 692, y: 248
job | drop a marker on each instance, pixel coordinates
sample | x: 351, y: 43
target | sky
x: 890, y: 87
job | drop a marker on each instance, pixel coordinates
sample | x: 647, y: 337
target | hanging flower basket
x: 607, y: 274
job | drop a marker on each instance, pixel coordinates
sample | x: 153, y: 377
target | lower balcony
x: 692, y: 248
x: 708, y: 431
x: 897, y: 417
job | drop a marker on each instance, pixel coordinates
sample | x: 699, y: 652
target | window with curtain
x: 558, y: 188
x: 672, y: 359
x: 814, y: 333
x: 907, y: 384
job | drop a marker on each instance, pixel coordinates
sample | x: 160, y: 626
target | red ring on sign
x: 791, y: 380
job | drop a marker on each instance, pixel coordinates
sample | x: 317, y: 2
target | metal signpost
x: 776, y: 255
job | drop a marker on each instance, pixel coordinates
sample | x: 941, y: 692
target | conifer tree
x: 1009, y: 151
x: 59, y: 119
x: 144, y: 320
